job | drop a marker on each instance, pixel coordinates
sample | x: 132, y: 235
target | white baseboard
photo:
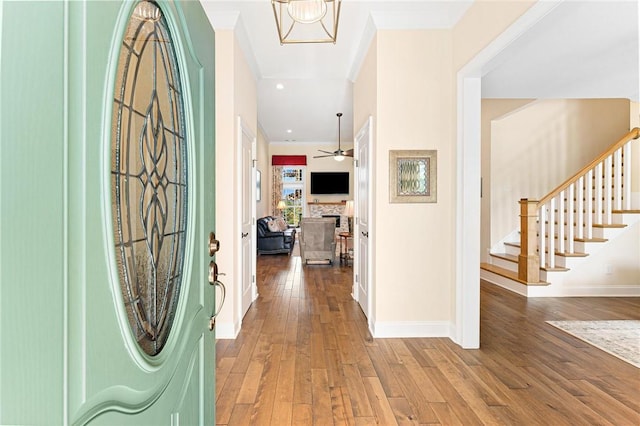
x: 601, y: 291
x: 559, y: 290
x: 406, y: 329
x: 227, y: 330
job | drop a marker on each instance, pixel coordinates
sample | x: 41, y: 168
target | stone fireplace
x: 335, y: 216
x: 330, y: 210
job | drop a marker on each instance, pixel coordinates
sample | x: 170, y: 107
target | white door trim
x: 466, y: 331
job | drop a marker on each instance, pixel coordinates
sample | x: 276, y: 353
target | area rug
x: 620, y: 338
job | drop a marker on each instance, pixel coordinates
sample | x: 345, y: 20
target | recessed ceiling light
x: 279, y: 86
x: 289, y: 131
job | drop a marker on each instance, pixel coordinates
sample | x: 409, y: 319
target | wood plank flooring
x: 305, y: 357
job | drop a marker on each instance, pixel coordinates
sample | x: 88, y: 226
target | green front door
x: 106, y: 206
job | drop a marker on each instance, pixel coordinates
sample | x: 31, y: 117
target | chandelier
x: 306, y: 21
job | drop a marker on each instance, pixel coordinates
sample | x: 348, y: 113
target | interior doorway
x: 362, y: 240
x: 247, y: 288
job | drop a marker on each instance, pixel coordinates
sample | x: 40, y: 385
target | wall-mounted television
x: 329, y: 182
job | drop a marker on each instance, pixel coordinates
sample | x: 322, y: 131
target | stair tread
x: 593, y: 225
x: 509, y: 274
x: 565, y: 254
x: 505, y: 256
x: 554, y: 269
x: 513, y: 275
x: 579, y: 240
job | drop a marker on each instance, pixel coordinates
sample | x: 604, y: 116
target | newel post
x: 528, y: 260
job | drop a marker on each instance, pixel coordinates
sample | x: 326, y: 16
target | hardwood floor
x: 304, y: 356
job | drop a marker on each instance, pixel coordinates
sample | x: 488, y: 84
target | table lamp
x: 349, y: 211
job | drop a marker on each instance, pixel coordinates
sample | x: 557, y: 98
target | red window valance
x: 288, y: 160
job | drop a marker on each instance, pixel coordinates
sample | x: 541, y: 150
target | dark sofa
x: 274, y: 242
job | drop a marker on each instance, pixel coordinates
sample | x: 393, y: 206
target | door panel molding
x: 128, y: 400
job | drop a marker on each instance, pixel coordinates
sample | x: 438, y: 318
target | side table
x: 344, y: 247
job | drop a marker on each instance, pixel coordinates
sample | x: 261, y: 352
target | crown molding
x: 222, y: 19
x: 230, y: 20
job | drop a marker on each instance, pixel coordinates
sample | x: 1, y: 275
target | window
x: 149, y: 177
x: 293, y: 193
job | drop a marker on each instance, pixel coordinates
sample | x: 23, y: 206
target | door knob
x: 214, y: 245
x: 223, y: 295
x: 213, y: 272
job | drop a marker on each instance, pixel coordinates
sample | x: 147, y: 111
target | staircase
x: 575, y: 220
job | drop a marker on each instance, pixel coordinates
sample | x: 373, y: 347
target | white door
x: 362, y: 264
x: 247, y: 143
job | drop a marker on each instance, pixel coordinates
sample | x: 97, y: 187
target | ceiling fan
x: 338, y: 154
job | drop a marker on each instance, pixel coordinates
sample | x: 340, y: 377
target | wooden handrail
x: 633, y: 134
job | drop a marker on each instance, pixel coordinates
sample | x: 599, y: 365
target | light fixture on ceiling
x: 339, y: 154
x: 307, y: 21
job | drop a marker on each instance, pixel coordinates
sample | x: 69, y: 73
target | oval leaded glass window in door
x: 149, y: 176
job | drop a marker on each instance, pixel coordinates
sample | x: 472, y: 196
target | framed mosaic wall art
x: 413, y: 176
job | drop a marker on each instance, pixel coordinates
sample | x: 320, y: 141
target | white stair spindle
x: 580, y: 213
x: 561, y: 220
x: 568, y: 246
x: 598, y: 193
x: 551, y: 238
x: 627, y: 167
x: 542, y: 225
x: 617, y: 179
x: 588, y: 208
x: 608, y: 172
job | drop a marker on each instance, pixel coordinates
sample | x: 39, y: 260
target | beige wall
x: 411, y: 265
x: 236, y: 95
x: 491, y: 109
x: 225, y: 200
x: 408, y: 83
x: 537, y: 147
x: 414, y: 113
